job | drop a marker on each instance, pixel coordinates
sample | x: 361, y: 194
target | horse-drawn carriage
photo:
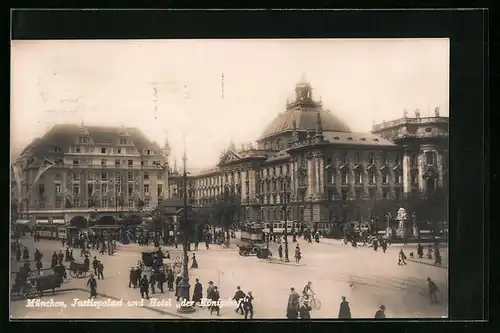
x: 78, y: 270
x: 35, y: 285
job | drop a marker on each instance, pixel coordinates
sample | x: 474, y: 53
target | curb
x: 428, y: 264
x: 281, y: 263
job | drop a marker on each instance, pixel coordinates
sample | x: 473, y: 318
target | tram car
x: 278, y: 227
x: 252, y: 237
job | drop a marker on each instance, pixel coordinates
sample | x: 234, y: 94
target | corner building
x: 96, y: 173
x: 329, y: 173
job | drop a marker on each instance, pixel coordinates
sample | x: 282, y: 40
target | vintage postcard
x: 229, y: 179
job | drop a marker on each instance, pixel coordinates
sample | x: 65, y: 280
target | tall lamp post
x: 284, y: 208
x: 184, y: 284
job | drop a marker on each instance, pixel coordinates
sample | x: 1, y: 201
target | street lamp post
x: 284, y: 208
x: 184, y: 286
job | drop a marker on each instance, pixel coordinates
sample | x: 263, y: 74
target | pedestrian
x: 100, y: 270
x: 239, y: 296
x: 152, y: 281
x: 195, y: 263
x: 433, y: 289
x: 215, y: 297
x: 437, y: 256
x: 38, y: 266
x: 144, y: 286
x: 248, y: 305
x: 161, y: 280
x: 92, y: 283
x: 420, y: 251
x: 402, y: 258
x: 197, y: 292
x: 38, y: 255
x: 298, y: 255
x: 196, y: 245
x: 305, y: 310
x: 60, y: 257
x: 429, y: 252
x: 380, y: 314
x: 95, y: 262
x: 63, y: 241
x: 132, y: 278
x: 178, y: 280
x: 292, y: 309
x: 170, y: 280
x: 345, y: 309
x: 71, y: 257
x: 280, y: 252
x: 26, y: 253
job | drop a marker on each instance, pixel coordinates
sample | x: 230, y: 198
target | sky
x: 174, y: 87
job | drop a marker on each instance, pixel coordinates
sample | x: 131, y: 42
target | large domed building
x: 308, y: 158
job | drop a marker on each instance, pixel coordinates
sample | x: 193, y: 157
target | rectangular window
x: 147, y: 203
x: 58, y: 188
x: 344, y: 194
x: 76, y: 162
x: 104, y: 202
x: 429, y: 156
x: 103, y: 163
x: 41, y: 189
x: 104, y: 188
x: 119, y: 151
x: 359, y: 178
x: 103, y: 150
x: 58, y: 203
x: 160, y: 190
x: 146, y: 188
x: 130, y: 176
x: 76, y: 176
x: 76, y: 190
x: 130, y: 203
x: 146, y: 176
x: 372, y: 177
x: 130, y: 163
x: 76, y: 202
x: 130, y: 189
x: 118, y: 177
x: 90, y: 189
x: 104, y: 176
x: 117, y: 162
x: 90, y: 175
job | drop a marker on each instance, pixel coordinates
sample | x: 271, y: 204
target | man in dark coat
x: 53, y: 261
x: 144, y: 286
x: 26, y: 253
x: 67, y: 254
x: 345, y: 309
x: 60, y: 257
x: 100, y: 270
x: 198, y: 292
x: 292, y: 309
x: 161, y: 279
x: 380, y: 314
x: 92, y: 283
x: 420, y: 251
x: 247, y: 305
x: 132, y: 278
x: 38, y: 255
x: 238, y: 297
x: 215, y: 297
x: 170, y: 280
x: 138, y: 274
x: 433, y: 289
x: 95, y: 262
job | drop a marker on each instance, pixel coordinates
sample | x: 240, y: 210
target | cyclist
x: 307, y: 292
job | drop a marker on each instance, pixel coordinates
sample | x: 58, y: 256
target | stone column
x: 310, y: 176
x: 293, y: 181
x: 440, y: 168
x: 421, y: 182
x: 244, y: 196
x: 251, y: 183
x: 406, y: 173
x: 321, y: 175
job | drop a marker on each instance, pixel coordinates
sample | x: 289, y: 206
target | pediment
x: 229, y: 157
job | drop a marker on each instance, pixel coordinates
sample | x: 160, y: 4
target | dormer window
x: 103, y: 150
x: 83, y: 139
x: 56, y: 149
x: 123, y: 133
x: 123, y: 141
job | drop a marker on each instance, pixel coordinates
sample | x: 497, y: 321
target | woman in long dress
x: 195, y: 263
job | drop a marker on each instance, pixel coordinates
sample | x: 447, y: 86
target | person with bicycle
x: 307, y: 292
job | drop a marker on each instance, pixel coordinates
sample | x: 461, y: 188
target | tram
x: 278, y: 227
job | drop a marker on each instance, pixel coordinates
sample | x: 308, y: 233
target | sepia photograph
x: 229, y: 179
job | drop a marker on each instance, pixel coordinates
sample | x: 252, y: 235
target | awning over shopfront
x: 58, y: 221
x: 42, y: 221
